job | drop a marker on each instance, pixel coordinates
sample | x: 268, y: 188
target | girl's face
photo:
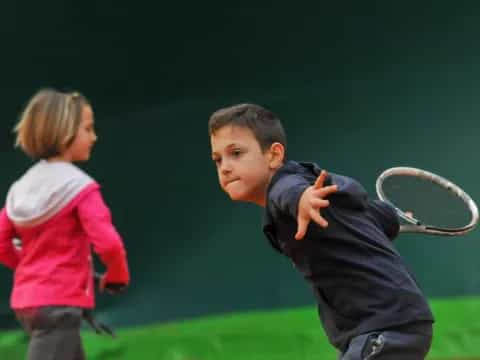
x: 84, y: 140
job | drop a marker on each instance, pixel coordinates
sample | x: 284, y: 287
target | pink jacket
x: 54, y: 266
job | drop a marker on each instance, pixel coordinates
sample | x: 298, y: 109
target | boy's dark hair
x: 264, y: 124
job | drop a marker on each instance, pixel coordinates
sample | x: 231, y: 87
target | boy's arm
x: 386, y: 216
x: 97, y: 222
x: 294, y: 195
x: 8, y: 254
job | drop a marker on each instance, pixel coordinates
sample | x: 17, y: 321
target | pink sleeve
x: 8, y: 254
x: 107, y: 244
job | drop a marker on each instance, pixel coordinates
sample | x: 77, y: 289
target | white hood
x: 43, y: 191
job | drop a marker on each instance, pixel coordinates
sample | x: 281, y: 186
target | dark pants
x: 54, y: 332
x: 408, y: 342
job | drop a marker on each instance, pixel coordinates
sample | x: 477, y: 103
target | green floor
x: 282, y: 335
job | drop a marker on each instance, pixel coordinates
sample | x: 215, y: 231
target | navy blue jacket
x: 359, y: 279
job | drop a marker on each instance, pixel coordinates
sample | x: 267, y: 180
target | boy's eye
x: 236, y: 152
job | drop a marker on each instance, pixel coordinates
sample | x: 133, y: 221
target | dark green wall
x: 358, y: 87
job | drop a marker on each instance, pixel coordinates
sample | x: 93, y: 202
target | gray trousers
x: 404, y: 343
x: 54, y: 332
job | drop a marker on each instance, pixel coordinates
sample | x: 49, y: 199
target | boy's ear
x: 277, y: 155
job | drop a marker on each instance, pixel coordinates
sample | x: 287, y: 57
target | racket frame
x: 414, y: 225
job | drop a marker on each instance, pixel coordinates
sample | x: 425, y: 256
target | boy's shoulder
x: 296, y: 176
x: 308, y: 172
x: 292, y: 176
x: 292, y: 167
x: 305, y: 170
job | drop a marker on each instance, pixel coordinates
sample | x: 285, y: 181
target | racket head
x: 439, y: 206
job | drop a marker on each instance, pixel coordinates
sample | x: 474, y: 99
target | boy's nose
x: 225, y: 168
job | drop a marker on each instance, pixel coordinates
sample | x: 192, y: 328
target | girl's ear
x: 277, y: 155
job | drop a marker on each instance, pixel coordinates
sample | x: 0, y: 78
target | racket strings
x: 429, y: 202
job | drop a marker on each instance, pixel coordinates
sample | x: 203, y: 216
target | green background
x: 359, y: 86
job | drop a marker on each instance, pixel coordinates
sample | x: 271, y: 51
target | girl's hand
x: 310, y: 203
x: 111, y: 288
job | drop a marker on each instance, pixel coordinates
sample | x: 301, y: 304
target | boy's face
x: 244, y: 171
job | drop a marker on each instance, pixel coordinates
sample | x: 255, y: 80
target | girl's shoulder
x: 56, y: 170
x: 44, y: 190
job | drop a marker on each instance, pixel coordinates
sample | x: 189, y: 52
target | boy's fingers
x: 325, y: 191
x: 301, y: 228
x: 319, y: 203
x: 303, y: 223
x: 319, y: 219
x: 320, y: 179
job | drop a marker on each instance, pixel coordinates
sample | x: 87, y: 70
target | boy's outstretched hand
x: 310, y: 203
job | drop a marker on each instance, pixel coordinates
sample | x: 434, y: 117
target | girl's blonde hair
x: 49, y: 123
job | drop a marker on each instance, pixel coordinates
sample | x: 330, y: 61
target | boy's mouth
x: 230, y: 182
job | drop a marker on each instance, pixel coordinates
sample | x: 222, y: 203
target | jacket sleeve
x: 286, y: 192
x: 386, y: 216
x: 8, y: 255
x: 96, y: 220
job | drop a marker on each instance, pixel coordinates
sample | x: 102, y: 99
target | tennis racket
x: 426, y: 202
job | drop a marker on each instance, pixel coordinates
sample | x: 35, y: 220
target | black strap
x: 97, y: 326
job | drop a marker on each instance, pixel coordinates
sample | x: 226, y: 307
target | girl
x: 58, y: 213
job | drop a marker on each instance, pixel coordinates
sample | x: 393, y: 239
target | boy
x: 368, y: 302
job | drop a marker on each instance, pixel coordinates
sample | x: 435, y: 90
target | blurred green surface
x: 293, y: 334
